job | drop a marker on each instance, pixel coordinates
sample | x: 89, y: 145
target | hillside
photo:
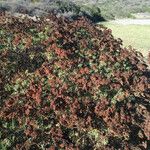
x: 124, y: 8
x: 66, y: 83
x: 98, y: 9
x: 70, y: 85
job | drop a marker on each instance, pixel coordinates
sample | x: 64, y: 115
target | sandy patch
x: 132, y: 21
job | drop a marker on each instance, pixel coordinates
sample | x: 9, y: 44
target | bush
x: 70, y: 85
x: 92, y: 12
x: 65, y: 8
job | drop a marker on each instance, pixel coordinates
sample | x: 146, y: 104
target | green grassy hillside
x: 122, y: 8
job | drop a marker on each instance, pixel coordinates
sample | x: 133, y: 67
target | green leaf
x: 2, y: 46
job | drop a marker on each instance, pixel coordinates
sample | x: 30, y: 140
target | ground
x: 132, y: 34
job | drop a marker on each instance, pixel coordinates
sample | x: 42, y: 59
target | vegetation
x: 122, y: 8
x: 65, y: 8
x: 97, y: 10
x: 69, y: 85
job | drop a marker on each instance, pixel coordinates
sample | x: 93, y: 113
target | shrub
x: 92, y: 12
x: 65, y: 8
x: 70, y: 85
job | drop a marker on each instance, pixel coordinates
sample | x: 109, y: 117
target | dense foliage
x: 70, y: 85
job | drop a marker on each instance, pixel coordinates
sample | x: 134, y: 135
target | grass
x: 138, y: 36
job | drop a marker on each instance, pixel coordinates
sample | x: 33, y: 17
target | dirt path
x: 132, y: 21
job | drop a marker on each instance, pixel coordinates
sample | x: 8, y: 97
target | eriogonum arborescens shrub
x: 70, y: 85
